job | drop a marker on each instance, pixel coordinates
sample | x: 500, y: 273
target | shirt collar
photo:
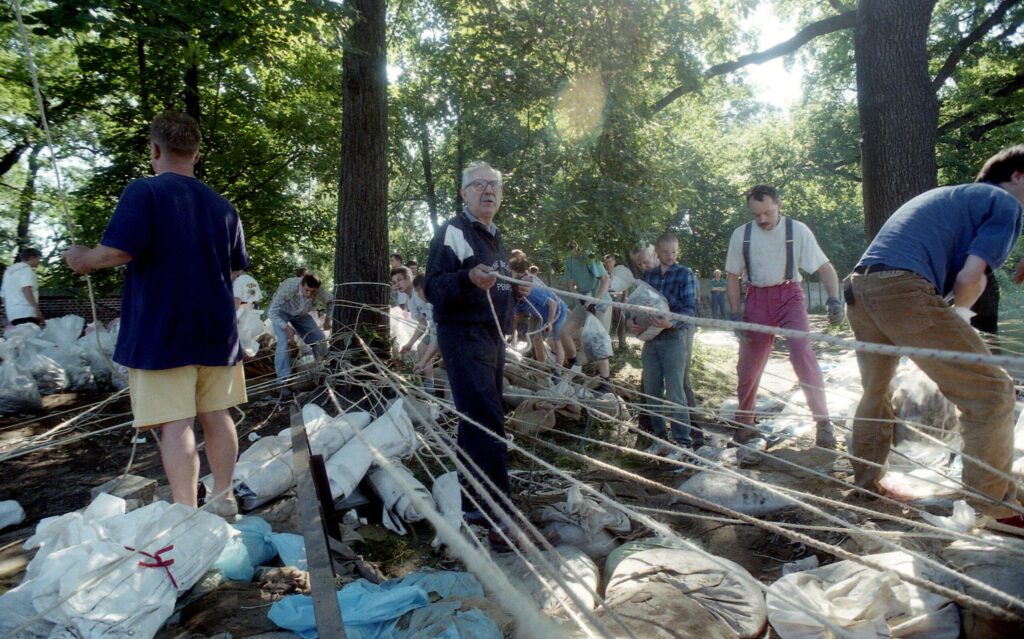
x: 491, y: 228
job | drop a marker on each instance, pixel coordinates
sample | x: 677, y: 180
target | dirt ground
x: 59, y: 480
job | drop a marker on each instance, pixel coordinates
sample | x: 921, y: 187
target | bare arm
x: 970, y: 282
x: 602, y: 288
x: 84, y: 260
x: 30, y: 297
x: 732, y: 291
x: 830, y: 279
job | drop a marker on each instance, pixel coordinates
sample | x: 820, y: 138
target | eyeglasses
x: 480, y: 185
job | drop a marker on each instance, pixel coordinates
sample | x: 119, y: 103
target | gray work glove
x: 836, y: 312
x: 741, y: 334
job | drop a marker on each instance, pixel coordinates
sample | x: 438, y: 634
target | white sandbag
x: 448, y: 496
x: 863, y: 602
x: 550, y: 596
x: 621, y: 278
x: 94, y: 344
x: 586, y: 523
x: 731, y: 492
x: 995, y: 567
x: 328, y: 434
x: 264, y: 470
x: 11, y: 513
x: 721, y: 587
x: 645, y: 295
x: 640, y: 545
x: 398, y: 503
x: 121, y: 575
x: 62, y: 333
x: 18, y: 390
x: 391, y: 435
x: 50, y: 378
x: 595, y: 341
x: 250, y: 329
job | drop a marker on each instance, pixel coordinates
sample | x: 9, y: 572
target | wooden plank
x: 318, y: 557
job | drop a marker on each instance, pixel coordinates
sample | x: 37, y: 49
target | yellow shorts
x: 167, y: 395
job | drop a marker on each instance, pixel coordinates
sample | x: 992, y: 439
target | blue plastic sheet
x: 292, y: 549
x: 369, y: 611
x: 372, y: 611
x: 250, y: 548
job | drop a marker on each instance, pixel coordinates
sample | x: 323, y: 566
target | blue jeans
x: 664, y: 360
x: 718, y: 305
x: 307, y: 329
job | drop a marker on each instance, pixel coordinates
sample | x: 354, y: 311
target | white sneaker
x: 225, y: 507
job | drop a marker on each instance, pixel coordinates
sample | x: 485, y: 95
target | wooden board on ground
x: 318, y: 557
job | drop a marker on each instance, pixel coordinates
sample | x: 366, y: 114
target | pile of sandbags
x: 107, y: 573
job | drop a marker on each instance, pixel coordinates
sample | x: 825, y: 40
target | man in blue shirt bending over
x: 939, y: 246
x: 666, y: 356
x: 182, y: 243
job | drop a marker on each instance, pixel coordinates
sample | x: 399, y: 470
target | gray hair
x: 472, y: 168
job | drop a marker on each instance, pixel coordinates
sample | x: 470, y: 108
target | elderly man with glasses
x: 473, y: 312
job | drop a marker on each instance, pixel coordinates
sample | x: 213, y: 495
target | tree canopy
x: 613, y: 120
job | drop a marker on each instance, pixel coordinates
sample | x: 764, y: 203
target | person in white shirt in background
x: 20, y: 289
x: 248, y: 293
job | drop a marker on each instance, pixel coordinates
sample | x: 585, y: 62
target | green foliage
x: 555, y: 93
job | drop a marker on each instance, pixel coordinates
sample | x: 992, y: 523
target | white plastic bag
x: 250, y: 329
x: 645, y: 295
x: 18, y: 391
x: 863, y: 602
x: 391, y: 435
x: 596, y: 342
x: 398, y: 504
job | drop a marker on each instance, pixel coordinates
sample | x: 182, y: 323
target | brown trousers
x: 902, y: 308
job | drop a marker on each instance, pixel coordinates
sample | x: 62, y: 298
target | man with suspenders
x: 771, y: 251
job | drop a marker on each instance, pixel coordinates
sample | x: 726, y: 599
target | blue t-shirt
x: 933, y: 234
x: 178, y: 307
x: 539, y: 297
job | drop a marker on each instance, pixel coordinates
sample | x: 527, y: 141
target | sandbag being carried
x: 670, y: 592
x: 250, y: 329
x: 391, y: 435
x: 863, y: 602
x: 595, y: 341
x: 645, y: 295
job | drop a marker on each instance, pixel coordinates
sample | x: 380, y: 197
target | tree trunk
x: 428, y: 175
x: 898, y: 109
x: 27, y: 199
x: 11, y: 158
x: 361, y: 251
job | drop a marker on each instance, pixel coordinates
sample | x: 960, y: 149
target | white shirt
x: 247, y: 289
x: 768, y: 253
x: 421, y: 310
x: 16, y: 277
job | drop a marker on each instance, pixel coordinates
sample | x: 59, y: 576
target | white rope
x: 870, y: 347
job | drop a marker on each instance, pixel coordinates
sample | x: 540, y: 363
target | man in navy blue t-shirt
x: 938, y: 247
x: 183, y: 245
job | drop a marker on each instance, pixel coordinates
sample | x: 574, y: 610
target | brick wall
x: 107, y: 308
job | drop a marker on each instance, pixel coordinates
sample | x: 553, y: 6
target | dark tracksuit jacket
x: 471, y: 344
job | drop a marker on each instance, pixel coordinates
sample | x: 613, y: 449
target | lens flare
x: 579, y: 109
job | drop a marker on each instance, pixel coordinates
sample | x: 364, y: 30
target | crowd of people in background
x: 913, y: 286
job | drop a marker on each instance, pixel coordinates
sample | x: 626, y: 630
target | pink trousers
x: 782, y: 306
